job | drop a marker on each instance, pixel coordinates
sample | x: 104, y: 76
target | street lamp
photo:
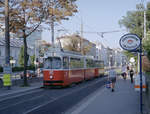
x: 12, y: 62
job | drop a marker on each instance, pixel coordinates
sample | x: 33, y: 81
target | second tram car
x: 66, y: 68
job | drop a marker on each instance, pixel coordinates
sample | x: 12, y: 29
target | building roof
x: 14, y: 42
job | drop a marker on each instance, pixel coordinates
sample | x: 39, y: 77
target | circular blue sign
x: 130, y: 42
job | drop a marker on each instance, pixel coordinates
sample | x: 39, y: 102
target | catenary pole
x: 141, y: 84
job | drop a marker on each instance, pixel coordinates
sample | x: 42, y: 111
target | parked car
x: 30, y: 74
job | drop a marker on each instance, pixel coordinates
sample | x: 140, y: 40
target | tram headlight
x: 51, y: 77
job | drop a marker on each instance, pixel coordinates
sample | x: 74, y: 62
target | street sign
x: 7, y: 69
x: 130, y: 42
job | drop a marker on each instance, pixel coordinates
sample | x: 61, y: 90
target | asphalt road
x: 49, y: 101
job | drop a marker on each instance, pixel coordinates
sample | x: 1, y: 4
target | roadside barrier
x: 137, y: 83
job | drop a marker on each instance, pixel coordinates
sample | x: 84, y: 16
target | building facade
x: 15, y: 47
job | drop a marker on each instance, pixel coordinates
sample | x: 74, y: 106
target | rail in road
x: 53, y: 101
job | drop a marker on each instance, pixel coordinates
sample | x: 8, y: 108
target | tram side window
x: 76, y: 63
x: 90, y: 63
x: 65, y: 62
x: 56, y: 63
x: 47, y: 63
x: 101, y: 64
x: 52, y: 63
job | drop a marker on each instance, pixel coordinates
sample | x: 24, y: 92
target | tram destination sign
x: 130, y: 42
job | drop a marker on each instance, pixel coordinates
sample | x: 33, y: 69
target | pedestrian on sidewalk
x: 124, y: 72
x: 112, y: 76
x: 128, y: 70
x: 131, y: 74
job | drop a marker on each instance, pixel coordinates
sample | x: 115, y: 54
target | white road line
x: 19, y: 91
x: 21, y: 94
x: 20, y: 102
x: 35, y: 108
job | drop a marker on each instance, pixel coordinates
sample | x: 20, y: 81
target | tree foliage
x: 43, y: 47
x: 32, y: 58
x: 72, y: 44
x: 134, y: 23
x: 77, y: 44
x: 57, y: 10
x: 21, y: 56
x: 25, y: 16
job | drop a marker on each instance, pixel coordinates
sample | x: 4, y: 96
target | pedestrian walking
x: 131, y: 74
x: 124, y: 72
x: 128, y: 70
x: 112, y: 76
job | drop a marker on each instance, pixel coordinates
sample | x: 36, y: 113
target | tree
x: 73, y: 43
x: 25, y: 17
x: 21, y: 57
x: 134, y: 23
x: 86, y: 48
x: 43, y: 47
x: 57, y: 10
x: 32, y: 60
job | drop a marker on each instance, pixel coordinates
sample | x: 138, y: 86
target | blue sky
x: 99, y: 16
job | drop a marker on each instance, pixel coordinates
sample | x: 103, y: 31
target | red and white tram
x: 66, y: 68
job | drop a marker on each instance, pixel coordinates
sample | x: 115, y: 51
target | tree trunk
x: 7, y: 40
x: 25, y: 59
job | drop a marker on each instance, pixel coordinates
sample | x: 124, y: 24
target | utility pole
x: 81, y: 40
x: 144, y: 23
x: 52, y: 31
x: 144, y: 10
x: 7, y: 39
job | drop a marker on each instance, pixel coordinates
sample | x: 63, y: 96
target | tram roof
x: 60, y: 53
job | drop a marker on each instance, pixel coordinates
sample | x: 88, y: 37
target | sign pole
x: 133, y: 43
x: 141, y: 84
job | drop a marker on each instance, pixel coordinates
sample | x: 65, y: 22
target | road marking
x: 21, y: 102
x: 7, y: 98
x: 35, y: 108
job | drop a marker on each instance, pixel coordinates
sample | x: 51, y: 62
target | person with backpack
x: 112, y: 76
x: 124, y: 72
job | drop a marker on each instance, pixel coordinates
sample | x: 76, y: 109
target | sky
x: 97, y: 16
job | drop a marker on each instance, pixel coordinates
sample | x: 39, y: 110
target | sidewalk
x: 18, y: 89
x: 123, y: 101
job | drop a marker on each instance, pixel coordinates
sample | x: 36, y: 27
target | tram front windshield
x: 52, y: 63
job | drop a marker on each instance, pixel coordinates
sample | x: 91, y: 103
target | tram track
x: 40, y: 100
x: 65, y: 102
